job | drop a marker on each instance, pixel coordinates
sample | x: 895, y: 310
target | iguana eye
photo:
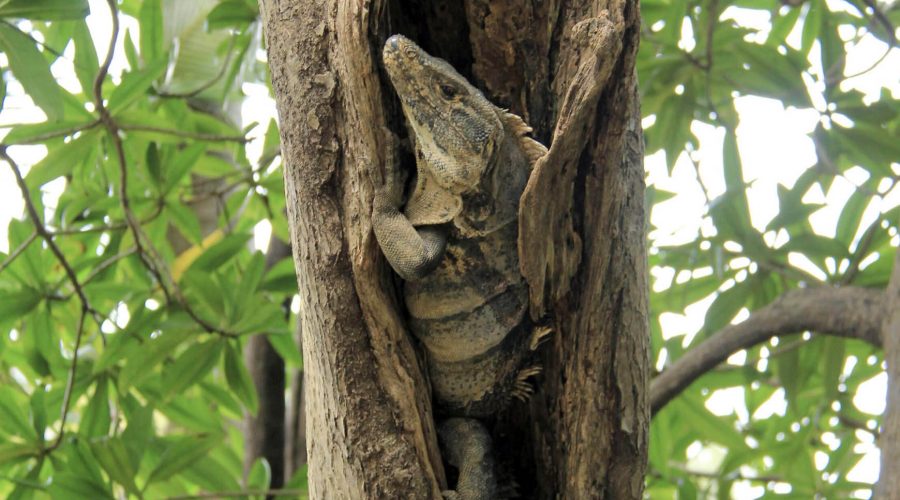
x: 448, y: 91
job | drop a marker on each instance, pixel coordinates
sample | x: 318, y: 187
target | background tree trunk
x: 568, y: 69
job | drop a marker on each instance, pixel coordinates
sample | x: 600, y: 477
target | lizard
x: 454, y: 245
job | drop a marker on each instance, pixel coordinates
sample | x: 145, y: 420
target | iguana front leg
x: 413, y: 252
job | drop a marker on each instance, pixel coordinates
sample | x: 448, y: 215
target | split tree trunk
x: 568, y: 69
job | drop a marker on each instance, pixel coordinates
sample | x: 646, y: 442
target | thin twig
x: 70, y: 384
x: 200, y: 136
x: 55, y: 133
x: 735, y: 475
x: 118, y: 226
x: 103, y: 266
x: 18, y: 251
x: 41, y: 230
x: 144, y: 248
x: 73, y: 278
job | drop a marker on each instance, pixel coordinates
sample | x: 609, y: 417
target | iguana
x: 454, y: 245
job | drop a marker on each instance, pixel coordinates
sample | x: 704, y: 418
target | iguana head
x: 456, y: 129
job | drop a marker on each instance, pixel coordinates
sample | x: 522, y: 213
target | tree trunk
x: 889, y: 440
x: 568, y: 69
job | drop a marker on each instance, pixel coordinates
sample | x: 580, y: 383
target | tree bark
x: 889, y: 482
x: 568, y: 69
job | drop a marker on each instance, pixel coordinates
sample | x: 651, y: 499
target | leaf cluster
x: 697, y: 60
x: 126, y: 299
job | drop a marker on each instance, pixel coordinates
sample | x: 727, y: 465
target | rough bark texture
x: 568, y: 69
x: 889, y: 441
x: 846, y: 312
x: 370, y: 433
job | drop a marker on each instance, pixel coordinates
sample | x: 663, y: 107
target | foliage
x: 698, y: 59
x: 126, y: 300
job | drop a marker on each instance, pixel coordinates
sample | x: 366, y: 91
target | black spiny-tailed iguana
x: 454, y: 244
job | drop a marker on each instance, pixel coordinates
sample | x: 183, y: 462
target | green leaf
x: 281, y: 278
x: 672, y: 129
x: 38, y: 411
x: 811, y: 26
x: 220, y: 253
x: 139, y: 433
x: 833, y: 364
x: 725, y: 307
x: 206, y: 288
x: 18, y: 303
x: 181, y: 453
x: 112, y: 455
x: 286, y: 347
x: 299, y: 481
x: 2, y: 90
x: 30, y: 67
x: 782, y: 26
x: 30, y: 133
x: 252, y: 276
x: 788, y: 368
x: 62, y: 159
x: 260, y: 475
x: 231, y: 13
x: 239, y: 379
x: 154, y: 351
x: 191, y: 366
x: 272, y: 141
x: 151, y: 23
x: 45, y: 10
x: 14, y: 452
x: 720, y: 430
x: 154, y: 169
x: 134, y: 85
x: 81, y: 461
x: 87, y: 66
x: 69, y: 485
x: 264, y: 317
x: 184, y: 219
x: 13, y: 420
x: 96, y: 419
x: 181, y: 165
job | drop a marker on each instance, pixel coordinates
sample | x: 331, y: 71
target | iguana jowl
x: 454, y: 244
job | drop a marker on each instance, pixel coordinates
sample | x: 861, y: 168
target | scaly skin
x: 454, y: 244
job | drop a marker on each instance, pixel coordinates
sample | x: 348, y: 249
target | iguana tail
x: 467, y: 446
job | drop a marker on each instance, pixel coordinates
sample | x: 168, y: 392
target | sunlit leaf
x: 31, y: 69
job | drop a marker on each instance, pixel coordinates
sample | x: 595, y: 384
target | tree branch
x: 18, y: 251
x: 86, y: 307
x: 845, y: 312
